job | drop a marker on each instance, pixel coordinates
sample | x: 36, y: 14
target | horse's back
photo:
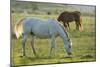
x: 39, y: 28
x: 69, y: 16
x: 45, y: 29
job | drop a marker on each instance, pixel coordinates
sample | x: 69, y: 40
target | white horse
x: 42, y: 29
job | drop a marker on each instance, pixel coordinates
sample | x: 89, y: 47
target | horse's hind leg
x: 23, y: 44
x: 32, y: 45
x: 77, y: 25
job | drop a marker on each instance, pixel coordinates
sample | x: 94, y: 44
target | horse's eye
x: 69, y: 46
x: 68, y: 39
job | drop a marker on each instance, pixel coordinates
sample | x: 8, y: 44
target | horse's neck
x: 63, y: 32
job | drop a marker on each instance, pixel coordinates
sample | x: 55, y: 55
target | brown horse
x: 67, y: 17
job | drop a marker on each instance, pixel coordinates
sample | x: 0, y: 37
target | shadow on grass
x: 38, y: 60
x: 43, y: 58
x: 87, y: 57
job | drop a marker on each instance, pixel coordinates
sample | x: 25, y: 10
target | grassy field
x: 84, y: 46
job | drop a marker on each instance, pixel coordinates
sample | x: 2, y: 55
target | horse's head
x: 69, y: 47
x: 65, y: 37
x: 67, y: 41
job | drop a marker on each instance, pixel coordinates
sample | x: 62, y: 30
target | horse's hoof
x: 69, y: 53
x: 22, y: 56
x: 68, y: 57
x: 36, y: 55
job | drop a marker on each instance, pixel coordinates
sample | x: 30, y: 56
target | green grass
x: 84, y: 46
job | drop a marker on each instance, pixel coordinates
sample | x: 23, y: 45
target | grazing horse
x: 41, y: 29
x: 67, y: 17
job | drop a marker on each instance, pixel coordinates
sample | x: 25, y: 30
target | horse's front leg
x: 52, y: 44
x: 64, y: 23
x: 68, y: 27
x: 32, y: 45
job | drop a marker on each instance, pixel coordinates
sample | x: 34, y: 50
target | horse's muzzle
x: 70, y: 53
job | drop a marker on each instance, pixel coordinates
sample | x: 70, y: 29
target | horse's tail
x: 81, y: 25
x: 18, y: 30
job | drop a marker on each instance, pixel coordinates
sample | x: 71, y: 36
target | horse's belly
x: 42, y: 36
x: 42, y: 33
